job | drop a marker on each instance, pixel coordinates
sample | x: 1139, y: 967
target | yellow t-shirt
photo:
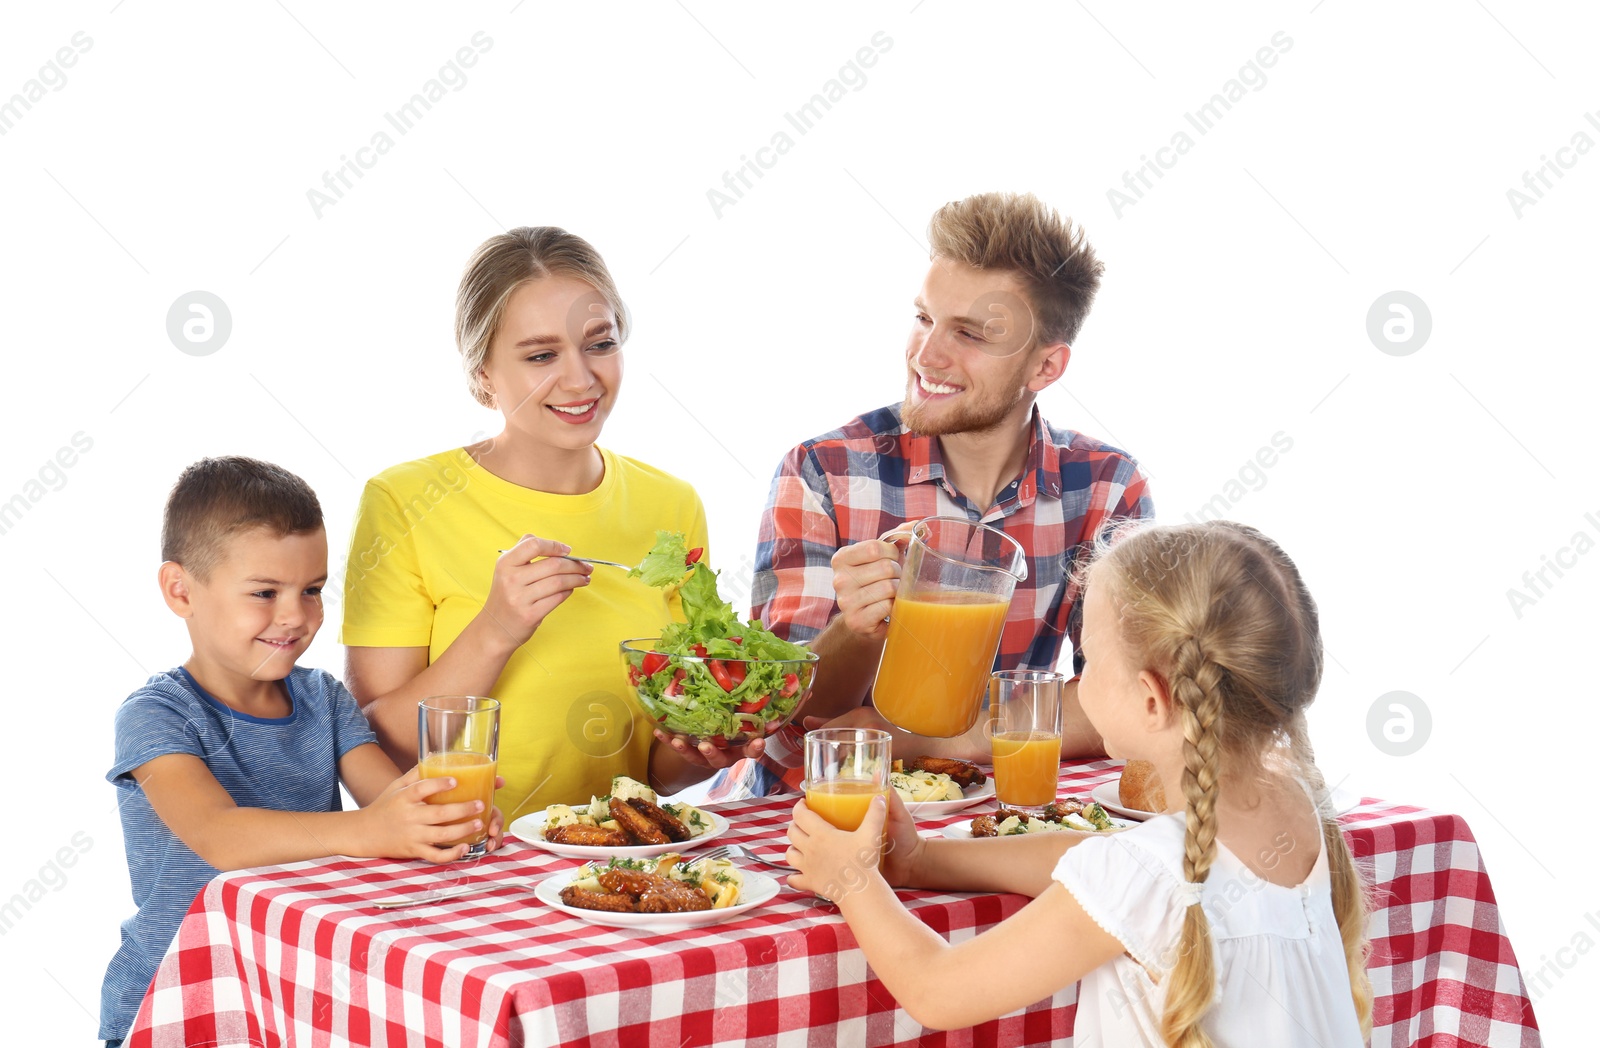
x: 421, y: 561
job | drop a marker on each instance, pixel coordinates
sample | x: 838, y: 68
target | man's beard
x: 973, y: 416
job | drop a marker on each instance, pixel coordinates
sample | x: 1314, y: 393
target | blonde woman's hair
x: 1017, y: 232
x: 1221, y: 614
x: 504, y: 263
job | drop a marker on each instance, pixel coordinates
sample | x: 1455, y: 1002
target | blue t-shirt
x: 287, y: 763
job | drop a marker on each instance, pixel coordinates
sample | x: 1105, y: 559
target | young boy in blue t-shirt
x: 234, y: 759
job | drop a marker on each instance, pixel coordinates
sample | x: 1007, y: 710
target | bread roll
x: 1140, y: 788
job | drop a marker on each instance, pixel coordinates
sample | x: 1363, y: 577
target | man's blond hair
x: 1017, y: 232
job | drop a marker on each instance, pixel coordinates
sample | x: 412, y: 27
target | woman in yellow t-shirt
x: 429, y: 610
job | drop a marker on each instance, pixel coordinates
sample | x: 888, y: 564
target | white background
x: 1376, y: 156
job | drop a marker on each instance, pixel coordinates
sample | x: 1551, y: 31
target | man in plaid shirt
x: 1008, y: 288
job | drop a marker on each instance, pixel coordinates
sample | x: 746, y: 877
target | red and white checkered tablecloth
x: 296, y: 955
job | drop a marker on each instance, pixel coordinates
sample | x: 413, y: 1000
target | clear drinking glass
x: 845, y: 769
x: 1025, y: 735
x: 944, y: 627
x: 458, y: 736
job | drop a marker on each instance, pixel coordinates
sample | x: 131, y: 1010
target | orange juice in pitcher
x: 936, y: 661
x: 945, y: 625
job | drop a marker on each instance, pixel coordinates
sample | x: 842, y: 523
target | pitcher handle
x: 900, y: 535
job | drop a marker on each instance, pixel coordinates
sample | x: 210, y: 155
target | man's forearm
x: 846, y: 666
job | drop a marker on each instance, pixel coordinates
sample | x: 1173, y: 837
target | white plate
x: 933, y: 809
x: 962, y: 831
x: 530, y: 828
x: 1107, y: 797
x: 1106, y: 794
x: 758, y: 888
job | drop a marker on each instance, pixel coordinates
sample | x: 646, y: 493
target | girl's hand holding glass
x: 903, y: 846
x: 834, y: 862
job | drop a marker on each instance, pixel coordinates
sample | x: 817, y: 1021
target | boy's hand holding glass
x: 458, y: 739
x: 402, y: 824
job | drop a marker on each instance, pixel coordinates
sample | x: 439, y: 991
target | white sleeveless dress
x: 1281, y: 974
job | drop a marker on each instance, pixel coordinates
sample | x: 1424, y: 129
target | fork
x: 588, y: 560
x: 739, y: 851
x: 597, y: 560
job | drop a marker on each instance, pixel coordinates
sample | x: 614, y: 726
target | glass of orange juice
x: 845, y: 769
x: 458, y: 736
x: 1025, y: 735
x: 945, y: 625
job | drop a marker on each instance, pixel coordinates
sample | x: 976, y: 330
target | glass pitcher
x: 944, y: 627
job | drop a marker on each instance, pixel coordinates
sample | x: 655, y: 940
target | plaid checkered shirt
x: 873, y: 474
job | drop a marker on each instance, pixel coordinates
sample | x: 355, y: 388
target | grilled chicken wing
x: 652, y: 893
x: 676, y: 831
x: 585, y: 899
x: 636, y: 825
x: 964, y: 773
x: 587, y: 836
x: 673, y: 897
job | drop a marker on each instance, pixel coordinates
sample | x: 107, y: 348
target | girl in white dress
x: 1235, y: 919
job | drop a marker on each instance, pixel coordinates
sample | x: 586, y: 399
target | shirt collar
x: 1041, y: 470
x: 1043, y: 462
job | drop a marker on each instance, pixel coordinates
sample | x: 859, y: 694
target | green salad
x: 712, y: 677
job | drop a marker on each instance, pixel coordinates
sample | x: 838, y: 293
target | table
x: 296, y: 955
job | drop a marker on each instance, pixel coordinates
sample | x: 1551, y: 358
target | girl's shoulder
x: 1130, y: 883
x: 1150, y: 853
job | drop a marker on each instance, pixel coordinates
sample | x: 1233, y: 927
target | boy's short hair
x: 1019, y: 233
x: 217, y: 498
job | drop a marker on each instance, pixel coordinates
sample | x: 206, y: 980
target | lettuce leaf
x: 664, y: 566
x: 684, y: 695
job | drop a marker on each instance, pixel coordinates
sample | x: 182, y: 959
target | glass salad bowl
x: 710, y: 696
